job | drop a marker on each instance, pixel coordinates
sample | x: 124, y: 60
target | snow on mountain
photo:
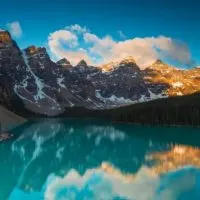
x: 112, y: 65
x: 49, y: 88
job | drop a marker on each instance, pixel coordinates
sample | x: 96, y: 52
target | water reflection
x: 177, y: 157
x: 82, y: 159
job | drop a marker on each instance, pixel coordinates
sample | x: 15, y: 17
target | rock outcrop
x: 64, y: 63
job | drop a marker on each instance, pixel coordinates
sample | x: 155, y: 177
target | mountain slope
x: 180, y: 82
x: 31, y: 83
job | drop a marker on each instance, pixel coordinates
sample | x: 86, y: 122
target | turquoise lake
x: 78, y: 159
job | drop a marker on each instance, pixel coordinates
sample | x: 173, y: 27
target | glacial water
x: 97, y: 160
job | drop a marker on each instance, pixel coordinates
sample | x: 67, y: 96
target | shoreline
x: 9, y: 118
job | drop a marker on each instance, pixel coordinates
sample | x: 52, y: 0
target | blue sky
x: 120, y: 19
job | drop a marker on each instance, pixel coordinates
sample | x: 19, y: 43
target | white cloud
x: 63, y: 44
x: 15, y: 29
x: 121, y: 34
x: 56, y: 39
x: 77, y: 28
x: 98, y: 50
x: 144, y: 50
x: 100, y: 47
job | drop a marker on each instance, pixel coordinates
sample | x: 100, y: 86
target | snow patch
x: 60, y: 82
x: 154, y: 96
x: 16, y: 88
x: 113, y: 98
x: 39, y: 83
x: 177, y: 84
x: 122, y: 100
x: 179, y: 94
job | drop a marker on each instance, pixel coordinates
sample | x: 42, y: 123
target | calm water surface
x: 95, y: 160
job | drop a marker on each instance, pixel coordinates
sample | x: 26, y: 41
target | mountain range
x: 32, y: 84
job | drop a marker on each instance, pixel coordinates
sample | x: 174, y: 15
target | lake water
x: 96, y: 160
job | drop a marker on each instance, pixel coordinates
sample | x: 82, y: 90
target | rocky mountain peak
x: 127, y: 60
x: 109, y: 66
x: 112, y: 65
x: 5, y: 37
x: 82, y: 63
x: 33, y: 50
x: 160, y: 66
x: 63, y: 62
x: 158, y: 62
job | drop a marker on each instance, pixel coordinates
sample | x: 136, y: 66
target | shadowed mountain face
x: 31, y: 82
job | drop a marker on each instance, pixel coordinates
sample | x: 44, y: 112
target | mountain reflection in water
x: 87, y: 159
